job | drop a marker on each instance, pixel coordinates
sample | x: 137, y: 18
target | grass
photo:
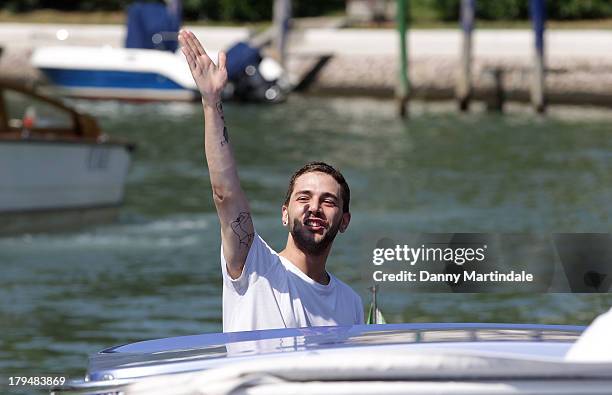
x: 101, y: 18
x: 601, y: 24
x: 426, y: 20
x: 53, y: 16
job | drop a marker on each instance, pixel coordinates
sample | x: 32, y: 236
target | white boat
x: 363, y: 359
x: 116, y: 73
x: 57, y: 169
x: 151, y: 67
x: 152, y: 75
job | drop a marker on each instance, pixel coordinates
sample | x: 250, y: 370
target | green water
x: 156, y: 272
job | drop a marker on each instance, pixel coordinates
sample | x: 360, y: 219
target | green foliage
x: 201, y: 9
x: 316, y: 8
x: 579, y: 9
x: 448, y: 10
x: 502, y: 9
x: 259, y: 10
x: 20, y: 5
x: 423, y: 10
x: 248, y: 11
x: 254, y: 10
x: 64, y: 5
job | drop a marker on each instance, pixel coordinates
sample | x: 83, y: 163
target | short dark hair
x: 327, y: 169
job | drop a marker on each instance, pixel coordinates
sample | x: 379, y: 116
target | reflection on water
x: 155, y: 274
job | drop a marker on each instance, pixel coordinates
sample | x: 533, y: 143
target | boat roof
x: 16, y: 127
x: 198, y: 352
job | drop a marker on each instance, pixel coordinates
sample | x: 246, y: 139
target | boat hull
x: 51, y: 179
x: 128, y: 94
x: 115, y: 73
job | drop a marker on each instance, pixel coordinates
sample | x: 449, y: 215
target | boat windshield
x: 24, y: 111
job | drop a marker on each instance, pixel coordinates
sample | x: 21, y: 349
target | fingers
x: 184, y: 47
x: 197, y: 44
x: 195, y: 53
x: 188, y: 52
x: 189, y: 57
x: 185, y: 40
x: 222, y: 60
x: 189, y: 40
x: 182, y: 39
x: 190, y: 43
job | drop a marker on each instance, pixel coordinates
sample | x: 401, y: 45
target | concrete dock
x: 364, y: 61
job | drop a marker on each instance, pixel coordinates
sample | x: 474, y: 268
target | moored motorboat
x: 150, y: 68
x: 116, y: 73
x: 57, y: 169
x: 152, y: 75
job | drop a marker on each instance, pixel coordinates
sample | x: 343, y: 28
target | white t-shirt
x: 273, y: 293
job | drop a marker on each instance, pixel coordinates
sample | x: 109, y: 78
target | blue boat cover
x: 239, y: 57
x: 146, y: 20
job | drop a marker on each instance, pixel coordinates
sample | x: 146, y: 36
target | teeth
x: 311, y: 222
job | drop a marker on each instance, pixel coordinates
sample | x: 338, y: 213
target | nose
x: 313, y: 206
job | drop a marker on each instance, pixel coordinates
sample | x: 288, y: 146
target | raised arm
x: 232, y: 206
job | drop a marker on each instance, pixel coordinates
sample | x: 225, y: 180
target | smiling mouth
x: 315, y: 223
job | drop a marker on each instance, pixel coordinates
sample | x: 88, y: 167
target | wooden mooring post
x: 538, y: 19
x: 464, y: 81
x: 403, y: 86
x: 494, y: 79
x: 281, y: 19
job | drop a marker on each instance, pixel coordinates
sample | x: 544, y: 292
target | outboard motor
x: 252, y: 78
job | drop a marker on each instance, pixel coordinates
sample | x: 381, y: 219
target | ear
x: 344, y: 223
x: 284, y: 215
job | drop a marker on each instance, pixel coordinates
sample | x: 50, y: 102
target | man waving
x: 264, y: 289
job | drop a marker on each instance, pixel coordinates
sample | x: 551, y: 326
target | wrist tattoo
x: 240, y: 227
x: 219, y: 107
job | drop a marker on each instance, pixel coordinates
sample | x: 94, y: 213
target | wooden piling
x: 494, y: 79
x: 281, y: 19
x: 464, y: 81
x: 402, y: 88
x: 538, y: 19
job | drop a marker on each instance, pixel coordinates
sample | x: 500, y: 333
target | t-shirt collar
x: 318, y: 286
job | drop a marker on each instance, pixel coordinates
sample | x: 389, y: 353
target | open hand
x: 209, y: 78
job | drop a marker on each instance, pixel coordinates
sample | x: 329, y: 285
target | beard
x: 306, y: 241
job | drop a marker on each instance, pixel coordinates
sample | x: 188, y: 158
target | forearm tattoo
x: 240, y: 227
x: 225, y: 138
